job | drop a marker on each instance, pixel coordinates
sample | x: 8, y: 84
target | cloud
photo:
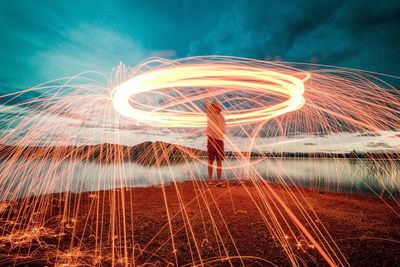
x: 357, y: 34
x: 44, y: 40
x: 86, y: 48
x: 164, y: 53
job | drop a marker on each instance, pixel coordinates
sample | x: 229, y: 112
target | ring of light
x: 210, y: 75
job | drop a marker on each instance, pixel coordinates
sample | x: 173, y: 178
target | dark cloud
x: 43, y: 40
x: 356, y: 34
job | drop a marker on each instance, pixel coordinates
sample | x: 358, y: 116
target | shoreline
x: 216, y: 223
x: 370, y: 194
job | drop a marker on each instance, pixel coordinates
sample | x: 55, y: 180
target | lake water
x: 33, y: 177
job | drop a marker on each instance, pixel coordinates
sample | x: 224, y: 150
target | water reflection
x: 380, y: 177
x: 32, y: 177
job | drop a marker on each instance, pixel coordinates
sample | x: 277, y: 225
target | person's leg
x: 219, y: 170
x: 210, y: 171
x: 211, y: 155
x: 220, y: 158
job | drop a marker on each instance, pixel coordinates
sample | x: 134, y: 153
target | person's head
x: 216, y: 106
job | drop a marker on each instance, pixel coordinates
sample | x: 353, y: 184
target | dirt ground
x: 244, y: 223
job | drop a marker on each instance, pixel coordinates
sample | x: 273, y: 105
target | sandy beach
x: 217, y: 227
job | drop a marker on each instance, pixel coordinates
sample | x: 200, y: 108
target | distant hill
x: 147, y: 153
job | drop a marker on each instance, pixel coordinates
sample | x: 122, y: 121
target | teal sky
x: 44, y: 40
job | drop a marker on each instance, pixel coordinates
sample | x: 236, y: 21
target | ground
x: 234, y: 223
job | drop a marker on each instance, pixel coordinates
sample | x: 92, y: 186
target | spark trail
x: 72, y: 135
x: 220, y: 76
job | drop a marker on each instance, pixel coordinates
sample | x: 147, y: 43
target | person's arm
x: 224, y: 125
x: 207, y: 107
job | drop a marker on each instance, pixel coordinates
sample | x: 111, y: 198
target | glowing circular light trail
x: 229, y: 76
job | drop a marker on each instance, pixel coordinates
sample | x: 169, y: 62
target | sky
x: 45, y: 40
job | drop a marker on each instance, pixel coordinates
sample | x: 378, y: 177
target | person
x: 215, y: 139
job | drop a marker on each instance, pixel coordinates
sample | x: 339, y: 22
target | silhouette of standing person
x: 215, y: 139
